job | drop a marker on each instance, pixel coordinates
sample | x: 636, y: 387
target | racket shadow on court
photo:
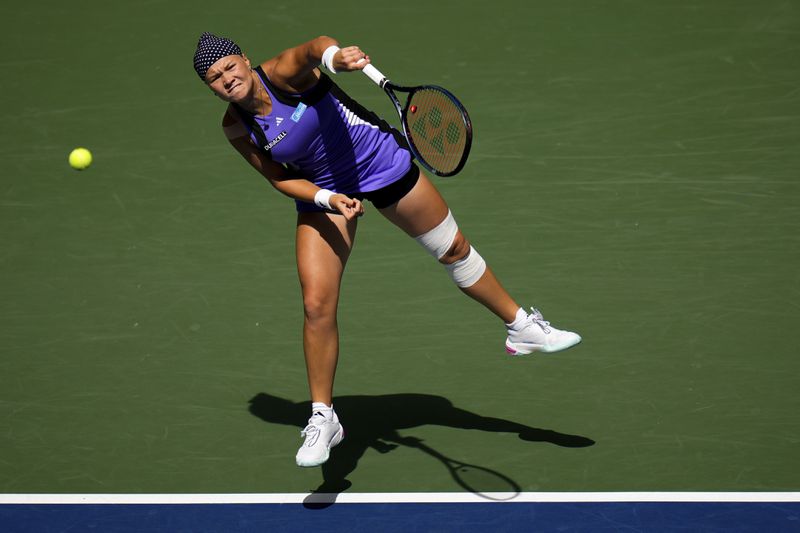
x: 375, y: 422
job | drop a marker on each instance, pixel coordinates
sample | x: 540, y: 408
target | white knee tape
x: 438, y: 240
x: 466, y: 272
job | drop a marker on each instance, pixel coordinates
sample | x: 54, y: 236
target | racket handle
x: 375, y: 75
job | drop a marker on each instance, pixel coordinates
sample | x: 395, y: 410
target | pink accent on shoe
x: 511, y: 351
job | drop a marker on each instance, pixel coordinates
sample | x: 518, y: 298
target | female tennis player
x: 318, y: 146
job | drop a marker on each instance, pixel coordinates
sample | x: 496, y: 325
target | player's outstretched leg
x: 424, y: 215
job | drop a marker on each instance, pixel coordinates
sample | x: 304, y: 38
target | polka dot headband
x: 211, y: 49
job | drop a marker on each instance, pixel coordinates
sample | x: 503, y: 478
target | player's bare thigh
x: 419, y: 211
x: 323, y: 244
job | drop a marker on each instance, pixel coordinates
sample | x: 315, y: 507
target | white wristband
x: 323, y: 198
x: 327, y: 57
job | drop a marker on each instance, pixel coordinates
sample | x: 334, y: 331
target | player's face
x: 230, y: 78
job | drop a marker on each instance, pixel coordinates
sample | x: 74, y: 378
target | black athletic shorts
x: 384, y: 197
x: 392, y: 193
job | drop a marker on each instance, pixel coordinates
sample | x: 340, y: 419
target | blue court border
x: 402, y: 517
x: 290, y: 514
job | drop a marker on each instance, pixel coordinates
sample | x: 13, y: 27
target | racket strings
x: 437, y: 128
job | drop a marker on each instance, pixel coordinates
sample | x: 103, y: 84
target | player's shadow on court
x: 374, y: 422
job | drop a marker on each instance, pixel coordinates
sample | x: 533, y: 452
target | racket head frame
x: 467, y: 123
x: 403, y: 109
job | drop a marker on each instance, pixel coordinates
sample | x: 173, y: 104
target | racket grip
x: 375, y: 75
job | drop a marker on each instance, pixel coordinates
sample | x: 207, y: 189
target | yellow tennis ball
x: 80, y: 158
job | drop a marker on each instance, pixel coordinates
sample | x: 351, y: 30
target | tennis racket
x: 435, y: 124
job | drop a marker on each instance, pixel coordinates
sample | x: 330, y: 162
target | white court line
x: 403, y: 497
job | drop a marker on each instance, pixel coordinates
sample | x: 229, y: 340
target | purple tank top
x: 328, y: 138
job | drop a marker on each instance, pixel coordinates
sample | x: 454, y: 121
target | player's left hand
x: 349, y: 207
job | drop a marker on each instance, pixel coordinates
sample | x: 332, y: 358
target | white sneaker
x: 536, y: 334
x: 322, y: 433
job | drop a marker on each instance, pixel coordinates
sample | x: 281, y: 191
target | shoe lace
x: 311, y: 434
x: 311, y: 431
x: 537, y: 318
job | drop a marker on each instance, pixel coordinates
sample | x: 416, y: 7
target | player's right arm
x: 295, y: 69
x: 277, y: 175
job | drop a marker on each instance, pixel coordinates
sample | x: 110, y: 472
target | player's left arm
x: 278, y: 175
x: 295, y: 69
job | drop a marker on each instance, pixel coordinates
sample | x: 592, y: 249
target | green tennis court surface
x: 634, y: 175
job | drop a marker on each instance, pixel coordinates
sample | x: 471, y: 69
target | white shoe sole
x: 521, y: 348
x: 339, y: 437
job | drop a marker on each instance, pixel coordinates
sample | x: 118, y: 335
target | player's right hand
x: 350, y: 58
